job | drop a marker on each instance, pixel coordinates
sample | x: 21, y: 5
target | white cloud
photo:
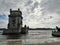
x: 36, y: 13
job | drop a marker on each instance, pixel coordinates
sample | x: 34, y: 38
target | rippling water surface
x: 32, y: 34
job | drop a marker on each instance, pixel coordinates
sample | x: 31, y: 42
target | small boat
x: 58, y: 29
x: 56, y: 33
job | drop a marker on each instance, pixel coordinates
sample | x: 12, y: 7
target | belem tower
x: 15, y: 23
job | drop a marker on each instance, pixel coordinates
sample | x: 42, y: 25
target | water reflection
x: 13, y: 36
x: 32, y: 34
x: 11, y: 42
x: 19, y: 42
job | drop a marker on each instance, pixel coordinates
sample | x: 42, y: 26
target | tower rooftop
x: 15, y: 10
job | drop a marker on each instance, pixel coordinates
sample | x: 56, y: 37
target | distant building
x: 15, y: 22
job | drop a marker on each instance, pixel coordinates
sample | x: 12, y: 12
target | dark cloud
x: 35, y: 5
x: 29, y: 2
x: 52, y: 6
x: 50, y: 11
x: 31, y: 5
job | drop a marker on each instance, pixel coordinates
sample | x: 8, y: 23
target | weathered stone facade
x: 15, y: 22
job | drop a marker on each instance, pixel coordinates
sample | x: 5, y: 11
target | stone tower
x: 15, y: 21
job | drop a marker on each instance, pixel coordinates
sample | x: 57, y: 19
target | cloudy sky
x: 36, y: 13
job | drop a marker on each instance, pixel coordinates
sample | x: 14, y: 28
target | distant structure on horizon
x: 15, y: 23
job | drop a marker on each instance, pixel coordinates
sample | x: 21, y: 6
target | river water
x: 33, y: 36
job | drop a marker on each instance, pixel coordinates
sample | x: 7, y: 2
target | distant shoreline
x: 34, y: 29
x: 41, y: 28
